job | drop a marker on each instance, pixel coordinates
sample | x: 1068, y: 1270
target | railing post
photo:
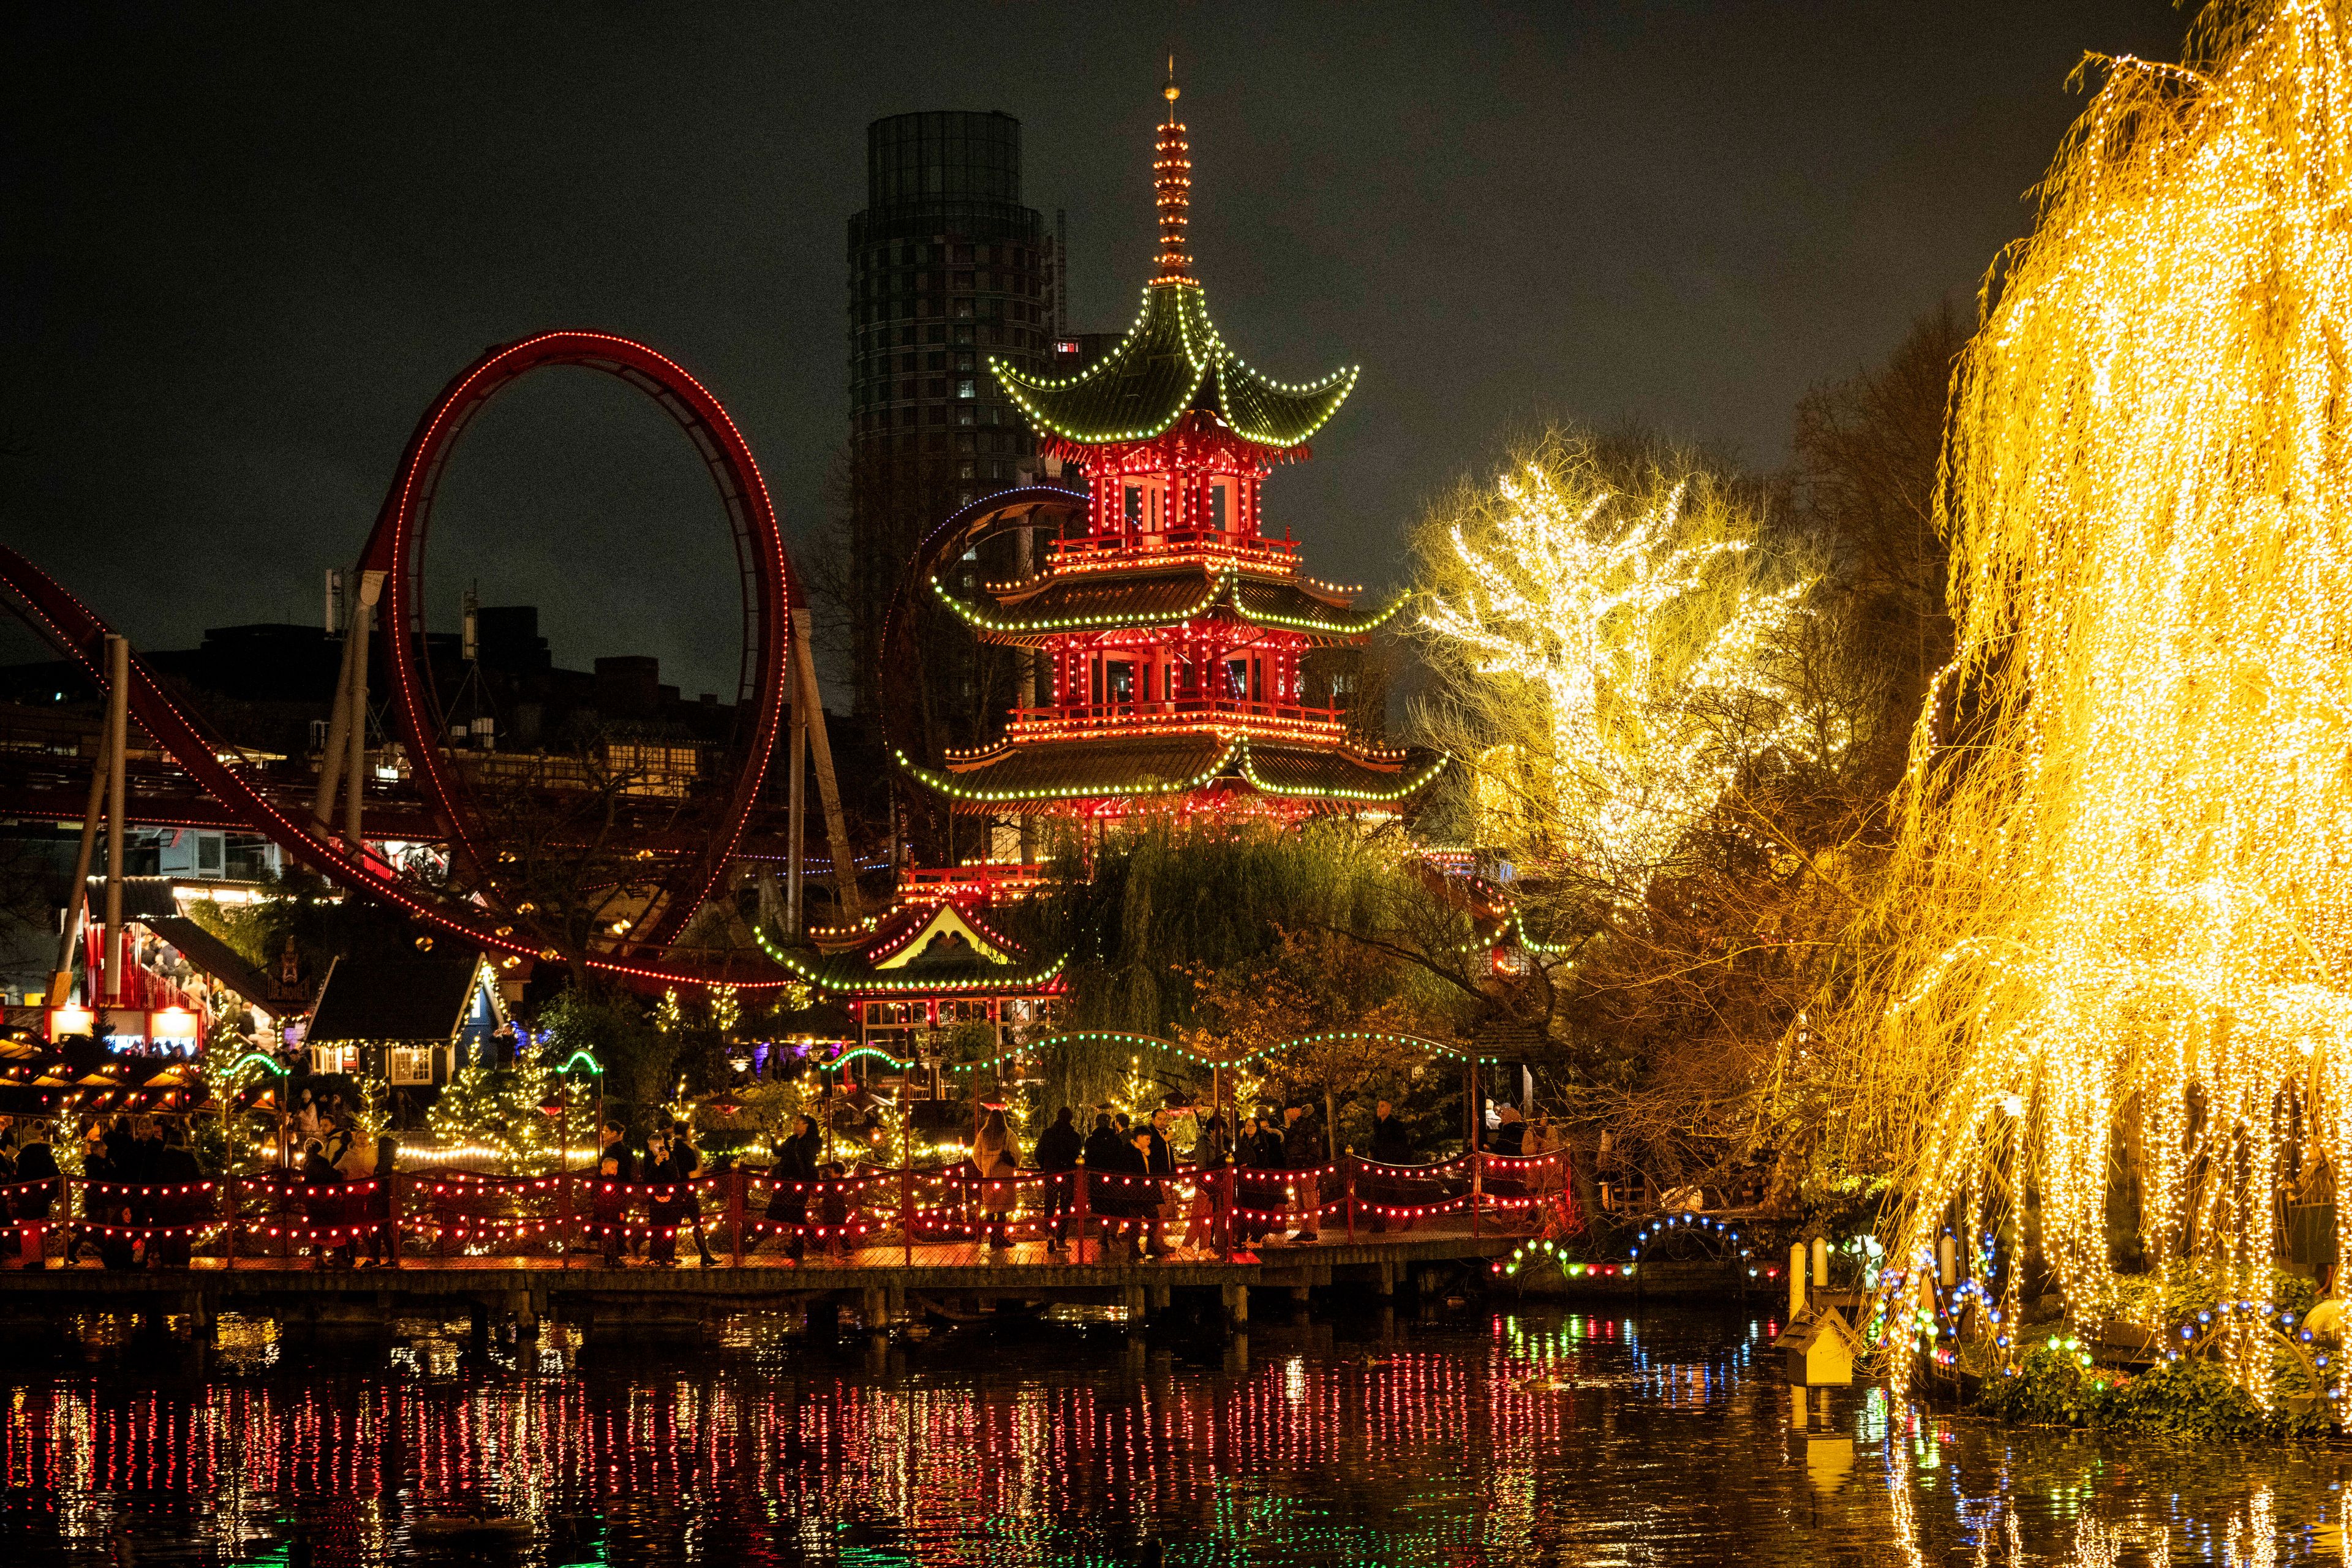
x: 738, y: 1180
x: 1477, y: 1188
x: 1348, y: 1186
x: 1226, y: 1217
x: 391, y: 1179
x: 907, y: 1211
x: 1083, y: 1208
x: 228, y: 1216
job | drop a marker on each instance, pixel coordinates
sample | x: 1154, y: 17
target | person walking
x: 992, y: 1158
x: 1058, y: 1148
x: 1304, y: 1155
x: 686, y: 1160
x: 790, y: 1181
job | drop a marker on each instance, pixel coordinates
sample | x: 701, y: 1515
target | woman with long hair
x: 993, y: 1157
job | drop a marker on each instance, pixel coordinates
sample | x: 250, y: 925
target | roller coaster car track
x: 770, y: 593
x: 1029, y: 506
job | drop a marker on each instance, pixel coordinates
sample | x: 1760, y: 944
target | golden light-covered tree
x: 2122, y: 914
x: 1610, y: 645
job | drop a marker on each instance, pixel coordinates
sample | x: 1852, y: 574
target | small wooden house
x: 1821, y: 1347
x: 409, y: 1020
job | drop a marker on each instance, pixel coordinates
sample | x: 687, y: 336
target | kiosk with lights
x: 1174, y: 628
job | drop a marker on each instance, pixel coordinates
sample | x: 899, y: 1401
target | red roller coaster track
x: 770, y: 592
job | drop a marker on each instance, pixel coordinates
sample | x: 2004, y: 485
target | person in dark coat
x: 322, y: 1206
x: 628, y: 1163
x: 1303, y: 1149
x: 1254, y: 1198
x: 179, y: 1212
x: 1102, y: 1154
x: 1058, y: 1148
x: 663, y: 1213
x: 1392, y: 1145
x: 36, y: 1162
x: 797, y: 1158
x: 1159, y: 1158
x: 1132, y: 1197
x: 687, y: 1160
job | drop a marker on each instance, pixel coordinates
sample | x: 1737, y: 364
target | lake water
x: 1479, y: 1437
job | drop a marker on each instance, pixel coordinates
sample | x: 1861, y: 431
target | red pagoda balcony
x: 1272, y: 719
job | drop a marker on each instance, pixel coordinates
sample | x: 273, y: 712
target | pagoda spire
x: 1171, y: 185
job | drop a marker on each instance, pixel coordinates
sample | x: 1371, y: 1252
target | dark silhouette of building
x: 946, y: 270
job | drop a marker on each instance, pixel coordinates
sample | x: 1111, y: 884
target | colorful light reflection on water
x: 1537, y: 1437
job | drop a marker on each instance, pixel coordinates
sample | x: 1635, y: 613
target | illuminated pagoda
x: 1173, y: 626
x: 933, y: 962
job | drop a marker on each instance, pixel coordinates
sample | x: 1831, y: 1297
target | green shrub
x: 2184, y: 1398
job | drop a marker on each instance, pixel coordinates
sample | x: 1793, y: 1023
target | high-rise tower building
x: 947, y: 271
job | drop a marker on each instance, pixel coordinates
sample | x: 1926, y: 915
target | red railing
x: 419, y: 1217
x: 1073, y: 554
x: 1194, y: 712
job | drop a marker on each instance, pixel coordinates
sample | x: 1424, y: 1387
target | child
x: 607, y: 1207
x: 833, y: 1211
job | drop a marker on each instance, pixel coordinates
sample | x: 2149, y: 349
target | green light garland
x: 945, y: 786
x: 928, y: 987
x: 1317, y: 791
x: 1153, y: 1042
x: 1180, y: 309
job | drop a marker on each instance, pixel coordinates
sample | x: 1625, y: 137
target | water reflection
x: 1505, y: 1439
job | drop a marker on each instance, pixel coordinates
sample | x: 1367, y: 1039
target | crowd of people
x: 643, y: 1200
x: 1281, y: 1162
x: 143, y: 1206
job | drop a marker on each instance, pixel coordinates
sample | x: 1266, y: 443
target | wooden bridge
x: 884, y: 1243
x: 956, y: 1282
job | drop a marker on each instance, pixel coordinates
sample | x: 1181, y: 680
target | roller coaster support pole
x: 355, y: 765
x: 330, y: 759
x: 78, y: 900
x: 118, y: 735
x: 829, y: 791
x: 796, y: 836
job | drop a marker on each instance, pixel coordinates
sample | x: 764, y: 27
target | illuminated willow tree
x: 2123, y: 901
x: 1617, y: 657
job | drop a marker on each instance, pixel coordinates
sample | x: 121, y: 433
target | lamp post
x: 562, y: 1099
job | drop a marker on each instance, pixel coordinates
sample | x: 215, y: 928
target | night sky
x: 245, y: 247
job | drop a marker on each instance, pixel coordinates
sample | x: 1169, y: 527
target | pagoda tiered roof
x: 1141, y: 766
x: 1052, y: 606
x: 945, y: 945
x: 1171, y: 361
